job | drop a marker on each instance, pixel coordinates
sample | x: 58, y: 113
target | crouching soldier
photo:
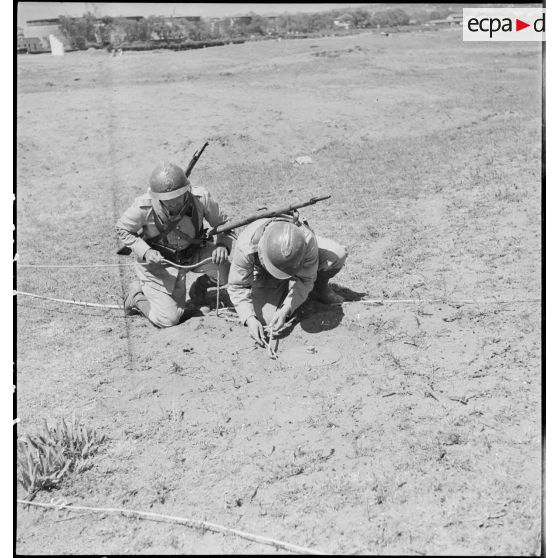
x: 276, y: 264
x: 167, y: 223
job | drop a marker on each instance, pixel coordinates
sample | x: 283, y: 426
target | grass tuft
x: 46, y: 458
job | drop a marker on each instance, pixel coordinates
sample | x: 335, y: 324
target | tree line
x: 88, y: 30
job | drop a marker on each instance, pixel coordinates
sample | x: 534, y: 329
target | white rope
x: 271, y: 348
x: 364, y: 301
x: 76, y: 265
x: 218, y: 289
x: 431, y: 301
x: 76, y: 302
x: 273, y: 342
x: 207, y: 260
x: 193, y: 266
x: 195, y: 523
x: 94, y: 304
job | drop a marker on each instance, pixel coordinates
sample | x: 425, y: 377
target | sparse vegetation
x: 46, y: 458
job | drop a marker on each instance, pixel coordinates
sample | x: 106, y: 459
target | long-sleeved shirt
x: 247, y: 269
x: 139, y: 218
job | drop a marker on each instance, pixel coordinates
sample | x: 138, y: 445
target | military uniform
x: 164, y: 285
x: 255, y: 292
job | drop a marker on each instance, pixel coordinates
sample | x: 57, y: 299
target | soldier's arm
x: 215, y: 216
x: 128, y: 228
x: 241, y: 278
x: 301, y: 285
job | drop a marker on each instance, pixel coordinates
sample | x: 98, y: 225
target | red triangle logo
x: 519, y: 25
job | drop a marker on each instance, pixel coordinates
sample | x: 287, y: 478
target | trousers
x: 167, y: 308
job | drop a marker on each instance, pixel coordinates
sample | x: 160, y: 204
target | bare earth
x: 424, y: 436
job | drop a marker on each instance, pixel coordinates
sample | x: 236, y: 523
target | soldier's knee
x: 332, y: 254
x: 340, y: 254
x: 166, y: 318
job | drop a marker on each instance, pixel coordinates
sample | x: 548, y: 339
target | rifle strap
x: 165, y: 231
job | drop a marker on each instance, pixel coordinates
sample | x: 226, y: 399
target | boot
x: 198, y: 290
x: 136, y: 302
x: 322, y: 291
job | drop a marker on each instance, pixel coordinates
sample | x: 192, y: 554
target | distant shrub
x: 361, y: 18
x: 82, y: 27
x: 440, y: 13
x: 390, y: 18
x: 79, y: 43
x: 177, y: 45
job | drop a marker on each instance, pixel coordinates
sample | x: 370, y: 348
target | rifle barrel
x: 194, y: 159
x: 230, y: 225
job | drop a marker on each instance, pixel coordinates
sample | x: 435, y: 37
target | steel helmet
x: 281, y: 249
x: 168, y: 182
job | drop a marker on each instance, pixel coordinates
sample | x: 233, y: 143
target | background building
x: 42, y: 28
x: 30, y: 45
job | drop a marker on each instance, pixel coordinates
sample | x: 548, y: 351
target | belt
x: 180, y: 257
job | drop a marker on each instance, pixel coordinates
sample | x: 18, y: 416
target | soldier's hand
x: 153, y: 256
x: 255, y: 329
x: 279, y: 318
x: 219, y: 255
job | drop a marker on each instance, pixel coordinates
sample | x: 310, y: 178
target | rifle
x: 289, y: 209
x: 194, y: 160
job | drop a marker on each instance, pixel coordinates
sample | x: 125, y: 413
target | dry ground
x: 425, y: 435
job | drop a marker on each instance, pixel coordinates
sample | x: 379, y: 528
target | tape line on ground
x: 59, y: 266
x: 364, y: 301
x: 437, y: 300
x: 76, y: 302
x: 194, y: 523
x: 53, y: 266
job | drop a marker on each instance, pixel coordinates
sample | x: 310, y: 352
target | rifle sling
x: 164, y: 232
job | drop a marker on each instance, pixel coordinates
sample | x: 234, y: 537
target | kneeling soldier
x: 167, y: 223
x: 276, y: 264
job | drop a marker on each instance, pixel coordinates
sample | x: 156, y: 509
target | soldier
x: 171, y: 213
x: 276, y: 264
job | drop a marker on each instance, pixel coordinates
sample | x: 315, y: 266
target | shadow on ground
x: 315, y: 317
